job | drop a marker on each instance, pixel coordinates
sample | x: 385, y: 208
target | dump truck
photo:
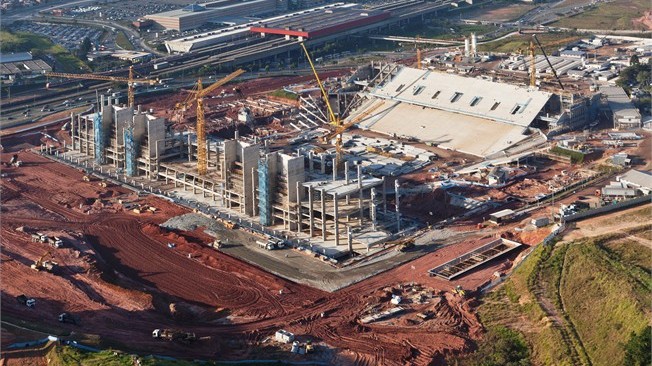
x: 67, y: 318
x: 174, y: 335
x: 27, y: 301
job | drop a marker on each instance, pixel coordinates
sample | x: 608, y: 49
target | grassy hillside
x: 578, y: 303
x: 613, y: 15
x: 68, y: 356
x: 40, y: 46
x: 550, y: 42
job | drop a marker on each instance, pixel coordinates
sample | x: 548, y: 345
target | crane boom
x: 129, y: 80
x: 549, y: 63
x: 198, y: 95
x: 331, y: 116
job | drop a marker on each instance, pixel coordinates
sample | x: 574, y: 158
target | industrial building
x: 623, y: 112
x: 321, y: 22
x: 196, y: 15
x: 297, y: 194
x: 318, y: 25
x: 474, y: 116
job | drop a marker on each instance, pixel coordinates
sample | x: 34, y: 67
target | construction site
x: 352, y: 216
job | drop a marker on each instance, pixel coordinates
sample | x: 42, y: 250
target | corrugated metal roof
x: 473, y: 97
x: 638, y: 177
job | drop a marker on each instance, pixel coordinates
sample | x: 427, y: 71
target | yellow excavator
x: 42, y: 264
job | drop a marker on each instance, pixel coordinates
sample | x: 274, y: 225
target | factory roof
x: 15, y: 57
x: 213, y: 7
x: 638, y: 178
x: 484, y: 99
x: 320, y: 22
x: 619, y: 102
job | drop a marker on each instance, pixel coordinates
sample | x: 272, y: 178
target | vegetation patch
x: 280, y: 93
x: 41, y: 46
x: 123, y: 42
x: 577, y: 157
x: 550, y: 42
x: 612, y: 15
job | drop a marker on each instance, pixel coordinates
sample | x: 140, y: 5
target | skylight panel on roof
x: 475, y: 101
x: 456, y: 96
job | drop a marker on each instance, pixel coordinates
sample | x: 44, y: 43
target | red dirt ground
x: 124, y: 281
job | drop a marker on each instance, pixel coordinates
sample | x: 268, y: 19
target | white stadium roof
x: 474, y: 97
x: 474, y: 116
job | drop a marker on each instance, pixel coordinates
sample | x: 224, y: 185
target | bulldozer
x: 174, y: 335
x: 458, y: 290
x: 42, y: 264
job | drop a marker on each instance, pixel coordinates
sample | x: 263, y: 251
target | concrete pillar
x: 336, y: 217
x: 349, y: 239
x: 384, y: 196
x: 360, y: 196
x: 346, y: 172
x: 323, y: 163
x: 189, y: 150
x: 311, y: 164
x: 372, y: 208
x: 334, y: 170
x: 398, y: 204
x: 323, y: 215
x: 253, y: 191
x: 298, y: 207
x: 311, y: 213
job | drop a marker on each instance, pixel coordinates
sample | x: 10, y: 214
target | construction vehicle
x: 41, y: 264
x: 55, y: 241
x: 67, y: 318
x: 271, y: 244
x: 197, y: 95
x: 13, y: 160
x: 129, y: 80
x: 458, y: 290
x: 309, y: 346
x: 27, y: 301
x: 174, y: 335
x: 86, y: 178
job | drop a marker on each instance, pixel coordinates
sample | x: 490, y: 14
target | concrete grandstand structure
x: 196, y: 15
x: 474, y: 116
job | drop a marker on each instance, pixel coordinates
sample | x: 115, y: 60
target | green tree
x: 84, y: 48
x: 637, y: 350
x: 634, y: 60
x: 500, y: 347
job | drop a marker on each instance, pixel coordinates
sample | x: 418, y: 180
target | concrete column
x: 253, y: 191
x: 298, y: 207
x: 372, y: 208
x: 189, y: 150
x: 311, y: 212
x: 360, y: 196
x: 334, y: 170
x: 349, y: 239
x: 346, y: 172
x: 398, y: 204
x: 311, y: 164
x: 336, y: 217
x: 384, y: 196
x: 323, y: 163
x: 323, y: 215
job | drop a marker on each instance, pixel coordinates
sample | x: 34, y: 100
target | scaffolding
x: 130, y: 152
x: 98, y: 133
x: 264, y: 193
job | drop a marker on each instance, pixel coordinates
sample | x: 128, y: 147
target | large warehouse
x: 196, y: 15
x: 474, y: 116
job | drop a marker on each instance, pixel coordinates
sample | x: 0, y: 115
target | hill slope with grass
x: 579, y: 302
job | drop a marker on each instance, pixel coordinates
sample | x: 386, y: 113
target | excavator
x: 42, y: 264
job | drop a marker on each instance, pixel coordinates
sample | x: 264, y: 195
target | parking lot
x: 68, y: 36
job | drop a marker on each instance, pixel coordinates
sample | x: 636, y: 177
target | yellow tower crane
x: 129, y: 80
x: 198, y: 95
x: 332, y: 119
